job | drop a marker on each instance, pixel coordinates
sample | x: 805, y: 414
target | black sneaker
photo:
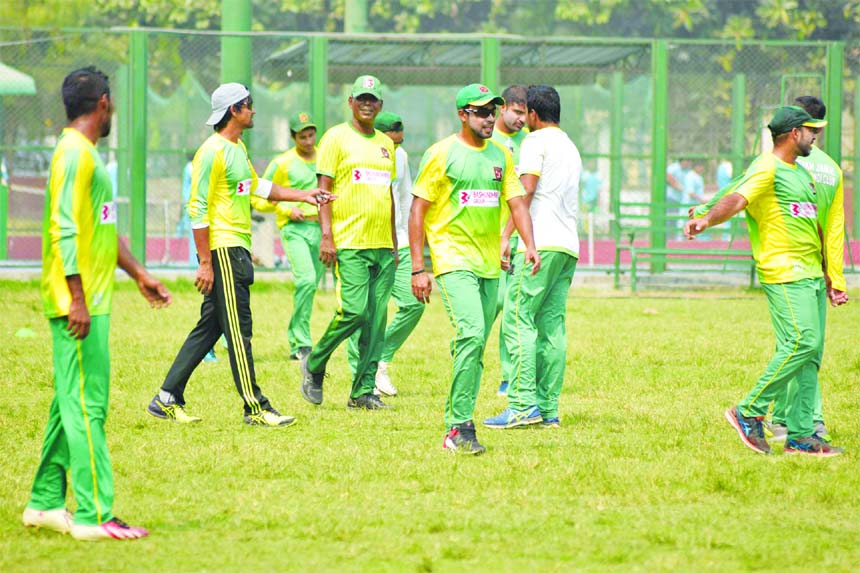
x: 461, y: 439
x: 751, y: 430
x: 300, y: 353
x: 312, y: 383
x: 366, y: 402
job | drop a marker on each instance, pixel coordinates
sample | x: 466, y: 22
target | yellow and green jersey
x: 783, y: 219
x: 79, y: 227
x: 362, y: 168
x: 512, y: 142
x: 289, y: 170
x: 830, y: 197
x: 222, y: 182
x: 466, y: 187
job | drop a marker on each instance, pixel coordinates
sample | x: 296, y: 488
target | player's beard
x: 104, y: 128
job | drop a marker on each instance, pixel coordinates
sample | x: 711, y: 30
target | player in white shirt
x: 534, y: 315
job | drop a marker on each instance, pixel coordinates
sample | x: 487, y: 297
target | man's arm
x: 725, y: 209
x: 833, y: 244
x: 205, y: 275
x: 151, y: 289
x: 529, y: 181
x: 328, y: 250
x: 523, y: 221
x: 421, y: 285
x: 79, y: 315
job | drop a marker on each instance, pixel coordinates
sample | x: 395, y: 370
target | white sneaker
x: 59, y: 520
x: 383, y: 382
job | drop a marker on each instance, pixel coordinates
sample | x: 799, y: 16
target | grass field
x: 645, y: 474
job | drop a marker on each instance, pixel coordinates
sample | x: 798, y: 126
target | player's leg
x: 301, y: 244
x: 372, y: 334
x: 551, y: 355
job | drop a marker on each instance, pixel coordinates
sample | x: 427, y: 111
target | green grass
x: 645, y: 474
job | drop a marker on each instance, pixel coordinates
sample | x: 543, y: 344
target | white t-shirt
x: 402, y: 187
x: 551, y: 155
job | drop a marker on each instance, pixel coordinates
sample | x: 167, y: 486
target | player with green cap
x: 409, y: 310
x: 462, y: 182
x: 299, y: 226
x: 779, y: 196
x: 356, y: 162
x: 829, y: 195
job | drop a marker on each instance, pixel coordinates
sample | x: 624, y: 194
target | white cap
x: 223, y: 97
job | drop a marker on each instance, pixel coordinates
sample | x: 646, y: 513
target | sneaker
x: 821, y: 431
x: 383, y: 381
x: 461, y: 439
x: 513, y: 418
x: 300, y: 353
x: 751, y: 430
x: 312, y: 383
x: 503, y: 388
x: 549, y: 423
x: 113, y: 529
x: 210, y: 356
x: 366, y: 402
x: 776, y: 431
x: 59, y: 520
x: 270, y: 418
x: 172, y: 411
x: 812, y: 445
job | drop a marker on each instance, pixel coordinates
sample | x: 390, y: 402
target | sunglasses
x: 247, y: 102
x: 482, y: 112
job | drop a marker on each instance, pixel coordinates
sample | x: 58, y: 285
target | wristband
x: 418, y: 272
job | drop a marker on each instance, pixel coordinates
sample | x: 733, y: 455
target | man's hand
x: 296, y: 214
x: 79, y: 318
x: 396, y: 257
x: 153, y: 291
x: 837, y: 297
x: 506, y: 254
x: 318, y: 197
x: 421, y: 287
x: 205, y: 277
x: 328, y: 251
x: 533, y: 257
x: 694, y: 227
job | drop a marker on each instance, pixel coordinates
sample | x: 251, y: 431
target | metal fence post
x: 855, y: 187
x: 318, y: 73
x: 616, y: 135
x: 138, y: 148
x: 833, y: 132
x: 491, y: 55
x: 739, y: 95
x: 236, y: 53
x: 4, y: 201
x: 659, y: 144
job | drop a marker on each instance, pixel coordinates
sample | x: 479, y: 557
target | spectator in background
x: 591, y: 184
x: 724, y: 173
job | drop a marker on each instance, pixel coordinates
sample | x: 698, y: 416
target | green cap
x: 388, y: 121
x: 367, y: 85
x: 300, y: 121
x: 789, y: 117
x: 477, y: 94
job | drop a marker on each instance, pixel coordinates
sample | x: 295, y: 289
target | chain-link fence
x: 718, y: 99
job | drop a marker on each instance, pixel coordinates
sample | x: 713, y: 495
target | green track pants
x: 504, y: 283
x: 535, y: 332
x: 301, y: 242
x: 75, y: 434
x: 796, y: 311
x: 364, y: 279
x: 470, y: 302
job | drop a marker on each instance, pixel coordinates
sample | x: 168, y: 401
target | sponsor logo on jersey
x: 497, y: 173
x: 371, y: 176
x: 479, y: 198
x: 803, y: 210
x: 107, y: 213
x: 385, y: 153
x: 243, y: 187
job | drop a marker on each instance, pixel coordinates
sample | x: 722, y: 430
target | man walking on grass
x: 462, y: 182
x: 356, y: 161
x: 779, y: 196
x: 223, y: 181
x: 80, y: 253
x: 535, y: 305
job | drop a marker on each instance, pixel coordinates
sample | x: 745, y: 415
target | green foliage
x: 645, y: 475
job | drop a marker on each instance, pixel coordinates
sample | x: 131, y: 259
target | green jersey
x: 466, y: 187
x: 79, y: 227
x: 291, y: 170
